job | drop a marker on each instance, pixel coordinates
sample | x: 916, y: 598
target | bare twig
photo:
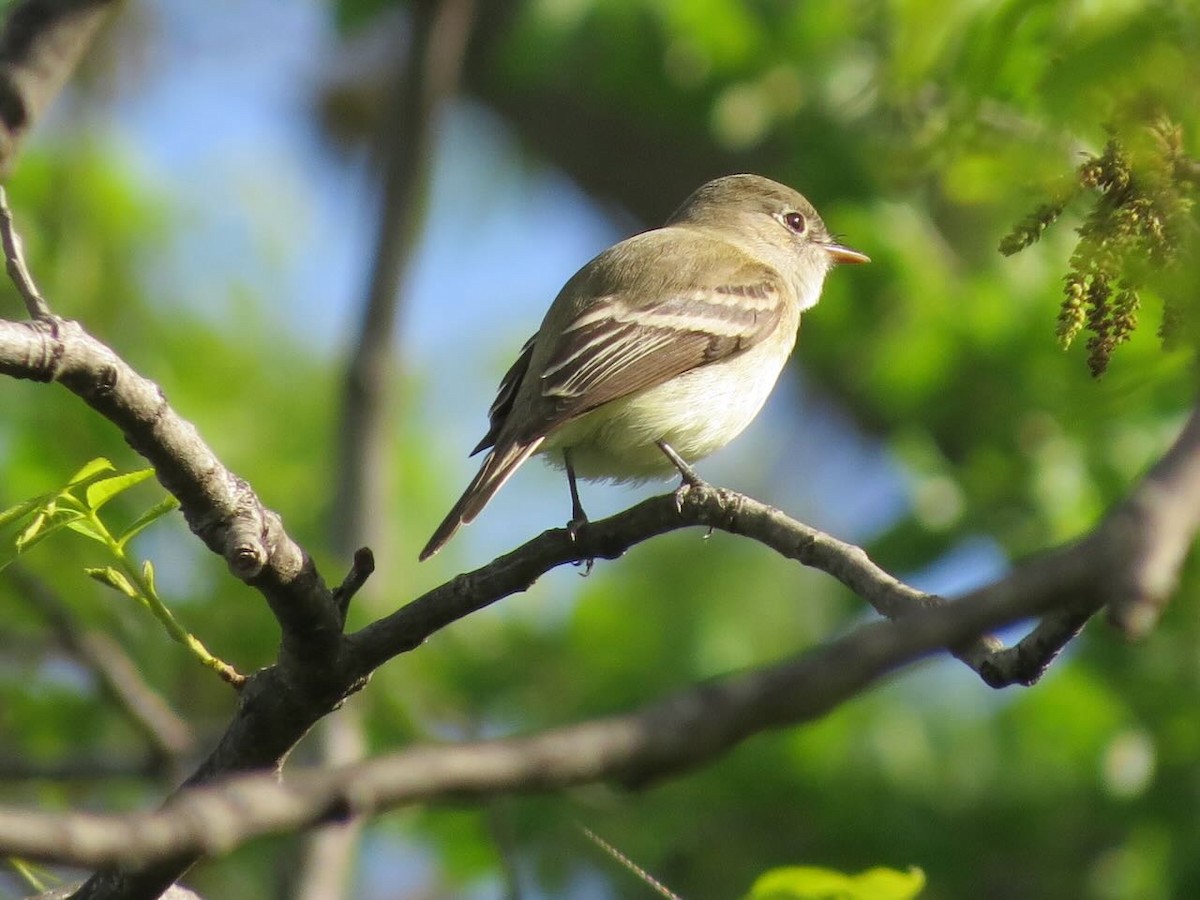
x: 657, y: 886
x: 360, y: 571
x: 18, y: 271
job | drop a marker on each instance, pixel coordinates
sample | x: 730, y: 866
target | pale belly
x: 696, y: 413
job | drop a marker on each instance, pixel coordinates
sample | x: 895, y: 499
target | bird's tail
x: 498, y: 466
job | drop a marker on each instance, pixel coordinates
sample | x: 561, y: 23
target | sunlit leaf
x: 89, y: 529
x: 91, y: 471
x: 22, y: 509
x: 100, y: 492
x: 32, y: 530
x: 815, y: 883
x: 148, y: 518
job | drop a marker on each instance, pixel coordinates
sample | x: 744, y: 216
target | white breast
x: 696, y: 413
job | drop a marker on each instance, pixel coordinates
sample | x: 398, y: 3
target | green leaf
x: 91, y: 471
x: 34, y: 528
x: 44, y: 524
x: 148, y: 518
x: 148, y: 576
x: 101, y: 492
x: 815, y: 883
x: 114, y: 579
x: 22, y: 509
x: 88, y: 529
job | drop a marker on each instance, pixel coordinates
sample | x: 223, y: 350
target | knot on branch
x: 43, y: 356
x: 244, y: 546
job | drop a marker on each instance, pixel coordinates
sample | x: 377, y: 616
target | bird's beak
x: 843, y: 254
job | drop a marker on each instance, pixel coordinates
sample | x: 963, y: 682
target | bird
x: 662, y: 348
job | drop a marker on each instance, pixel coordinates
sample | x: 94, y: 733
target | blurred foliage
x: 922, y: 132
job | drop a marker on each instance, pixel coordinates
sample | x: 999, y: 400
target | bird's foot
x: 579, y: 521
x: 690, y: 479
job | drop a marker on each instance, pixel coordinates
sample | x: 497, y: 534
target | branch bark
x: 677, y: 733
x: 220, y: 508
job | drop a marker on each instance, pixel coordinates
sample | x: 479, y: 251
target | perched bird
x: 664, y: 346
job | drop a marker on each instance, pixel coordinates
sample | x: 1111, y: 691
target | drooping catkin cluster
x: 1134, y: 233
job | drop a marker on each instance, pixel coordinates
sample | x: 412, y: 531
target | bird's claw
x: 578, y: 522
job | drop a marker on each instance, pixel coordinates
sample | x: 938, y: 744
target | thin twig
x: 361, y: 569
x: 18, y: 271
x: 661, y: 889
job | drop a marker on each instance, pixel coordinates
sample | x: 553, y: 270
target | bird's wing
x: 625, y: 343
x: 653, y: 321
x: 615, y: 351
x: 505, y: 394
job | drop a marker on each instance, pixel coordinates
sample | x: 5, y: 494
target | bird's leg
x: 690, y: 478
x: 578, y: 516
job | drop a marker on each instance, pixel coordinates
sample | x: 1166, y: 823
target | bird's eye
x: 795, y: 222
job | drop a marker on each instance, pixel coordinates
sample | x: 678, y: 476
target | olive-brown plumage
x: 676, y: 335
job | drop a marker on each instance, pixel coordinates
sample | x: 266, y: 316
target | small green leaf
x: 148, y: 577
x: 100, y: 492
x: 815, y: 883
x: 22, y: 509
x: 45, y: 523
x: 114, y: 579
x: 34, y: 528
x: 890, y: 884
x: 91, y: 471
x: 148, y: 518
x: 88, y: 529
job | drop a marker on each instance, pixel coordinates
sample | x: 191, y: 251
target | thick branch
x: 680, y: 732
x: 677, y: 733
x: 220, y: 508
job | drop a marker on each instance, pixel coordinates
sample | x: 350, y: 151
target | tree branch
x: 221, y: 508
x: 407, y: 127
x: 40, y: 44
x: 679, y: 732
